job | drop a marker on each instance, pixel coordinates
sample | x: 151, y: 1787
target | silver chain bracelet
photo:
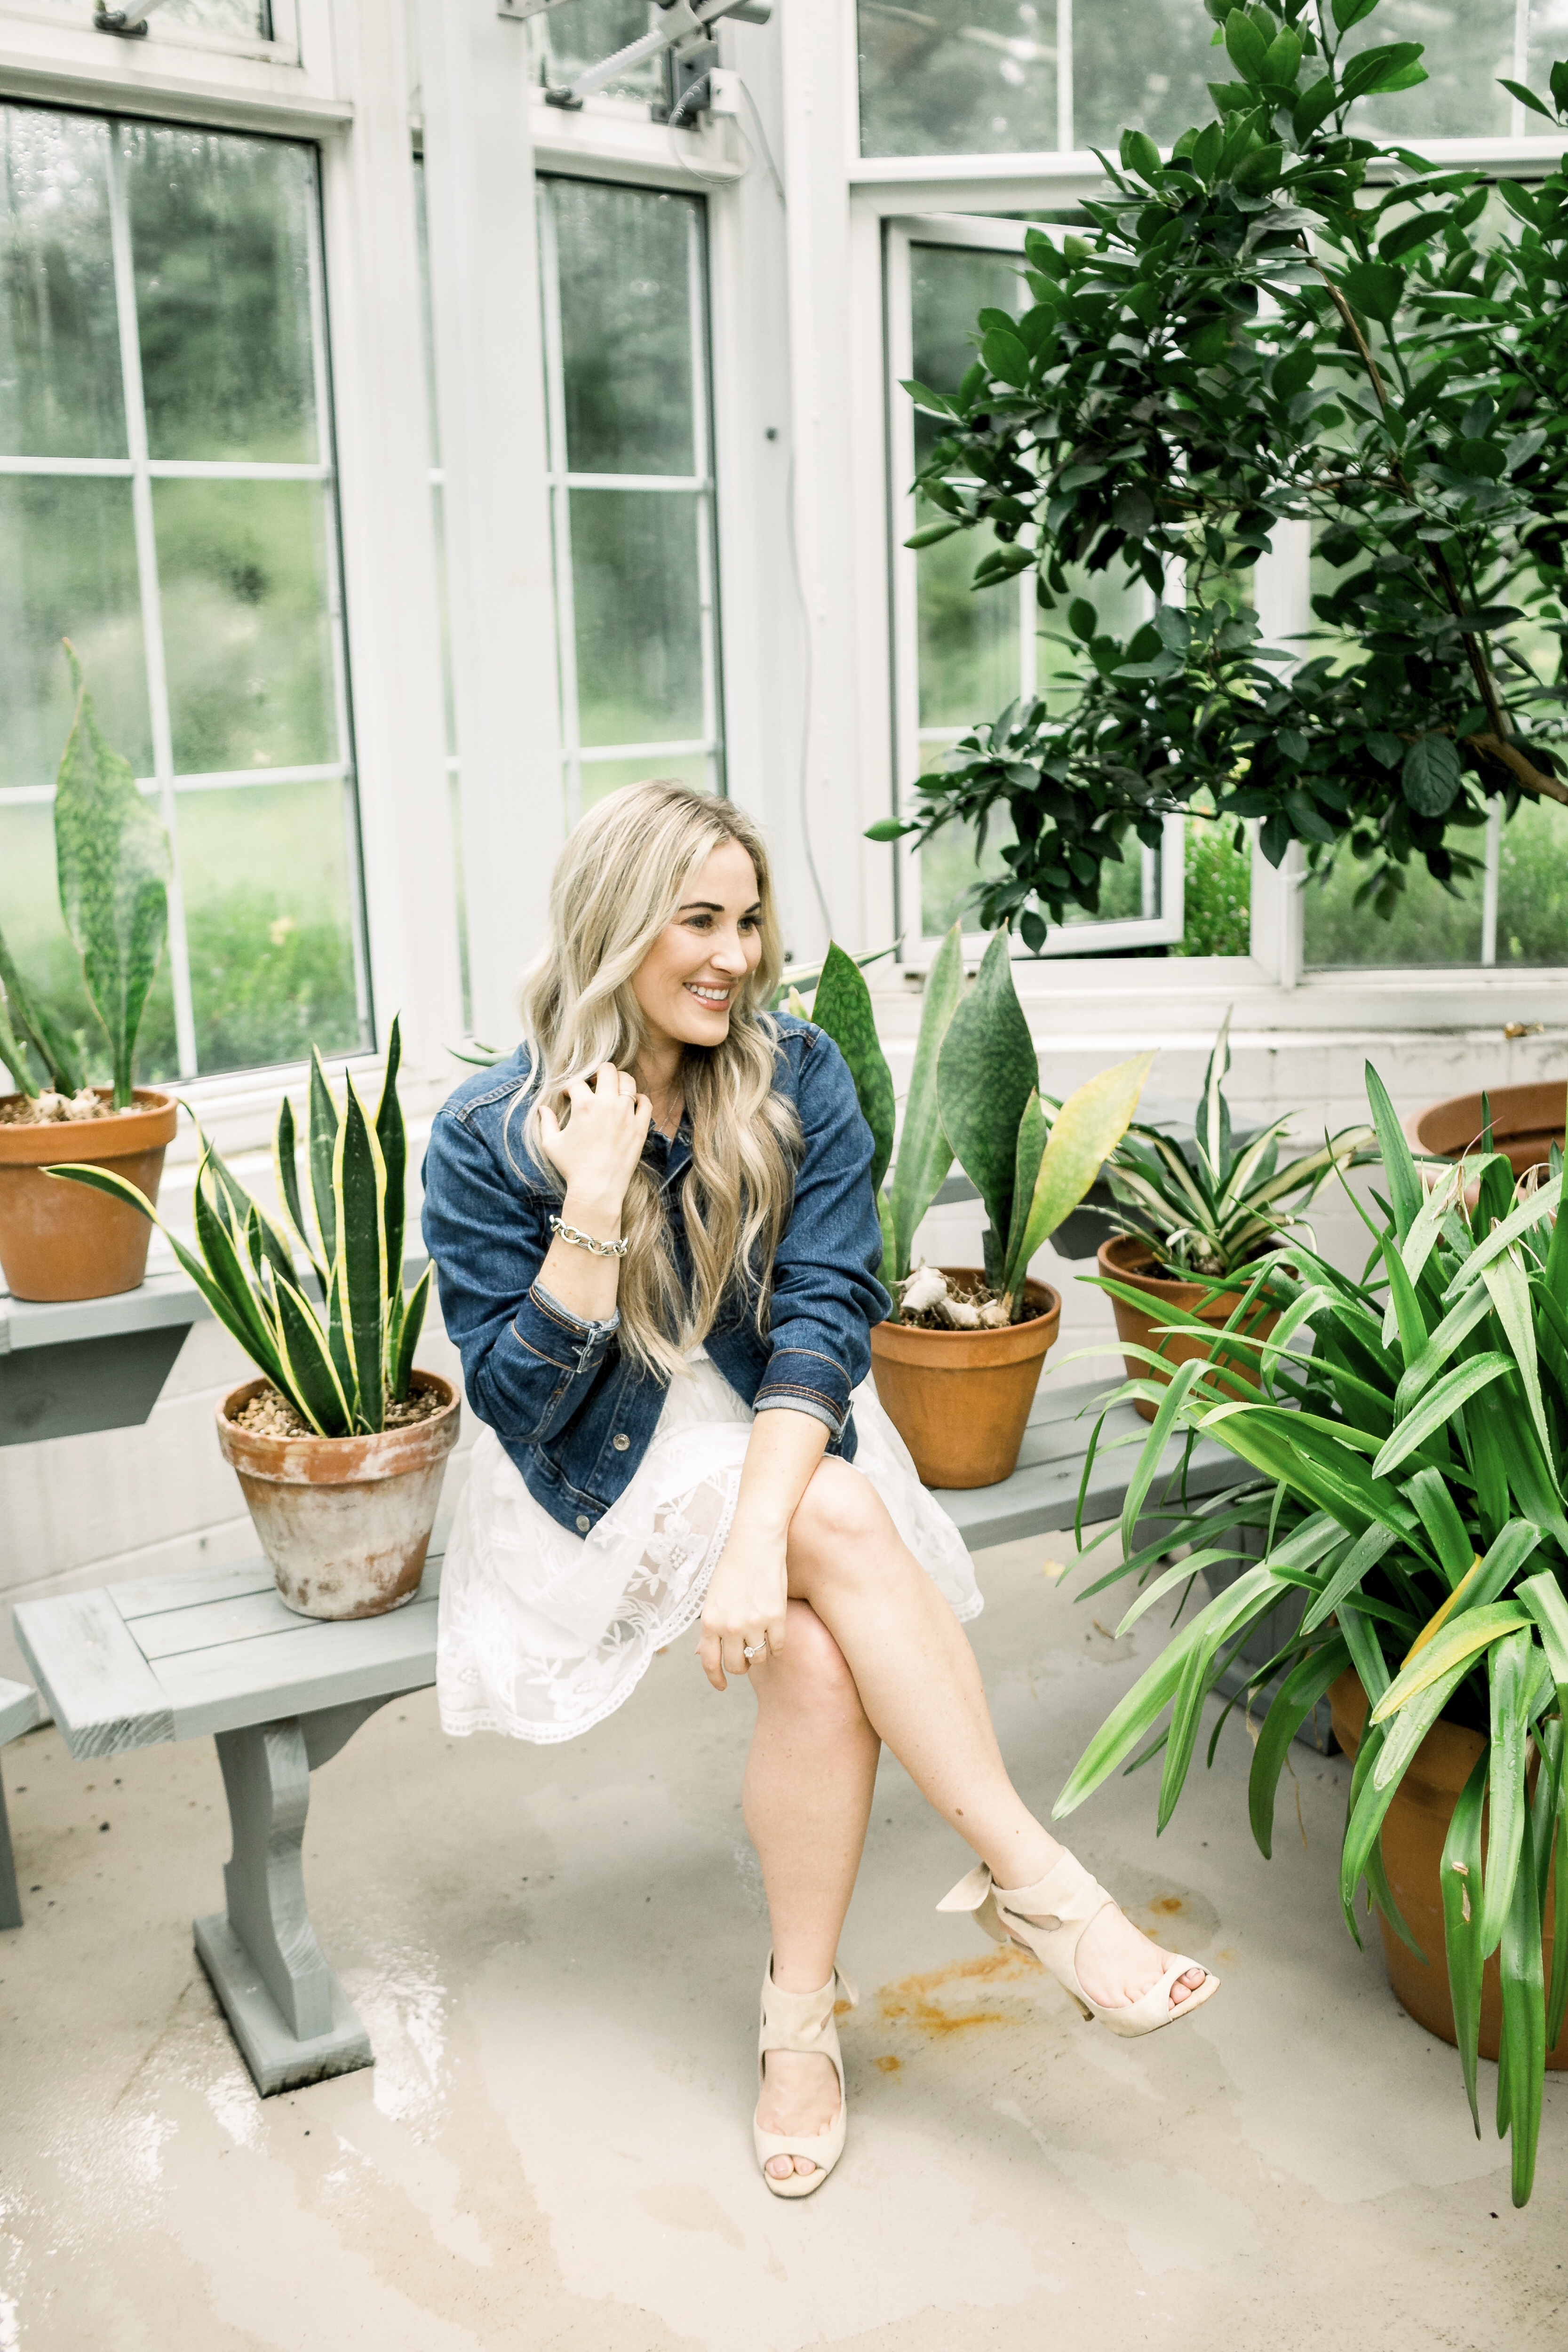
x: 585, y: 1241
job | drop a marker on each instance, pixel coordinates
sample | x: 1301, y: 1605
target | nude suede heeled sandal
x: 1050, y: 1917
x: 803, y: 2022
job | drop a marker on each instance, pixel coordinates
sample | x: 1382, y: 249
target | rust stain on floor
x: 919, y: 2000
x: 888, y: 2065
x: 1165, y: 1906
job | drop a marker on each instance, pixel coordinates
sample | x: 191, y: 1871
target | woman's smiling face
x: 690, y: 977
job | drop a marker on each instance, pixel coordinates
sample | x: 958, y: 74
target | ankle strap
x: 801, y: 2020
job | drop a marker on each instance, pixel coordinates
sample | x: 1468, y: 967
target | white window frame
x: 283, y: 49
x: 1162, y: 869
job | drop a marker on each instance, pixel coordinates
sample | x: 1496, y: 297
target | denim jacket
x: 576, y: 1417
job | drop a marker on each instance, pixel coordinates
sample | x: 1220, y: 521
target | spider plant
x: 1205, y: 1211
x: 339, y: 1368
x: 1415, y: 1464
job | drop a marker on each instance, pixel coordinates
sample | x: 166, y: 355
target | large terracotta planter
x: 1413, y: 1830
x: 345, y: 1521
x: 59, y: 1239
x: 1124, y: 1260
x: 1526, y: 1122
x: 960, y: 1400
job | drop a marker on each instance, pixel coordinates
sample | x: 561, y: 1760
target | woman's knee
x: 811, y: 1670
x: 839, y: 1514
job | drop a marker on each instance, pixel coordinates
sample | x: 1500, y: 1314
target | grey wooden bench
x: 19, y: 1711
x: 214, y: 1650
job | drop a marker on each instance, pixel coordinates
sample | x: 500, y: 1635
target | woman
x: 657, y: 1253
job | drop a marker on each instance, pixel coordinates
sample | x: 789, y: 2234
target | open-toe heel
x: 803, y: 2022
x: 1050, y: 1918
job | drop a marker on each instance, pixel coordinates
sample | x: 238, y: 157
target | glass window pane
x: 957, y: 77
x: 220, y: 233
x: 68, y: 567
x: 242, y: 20
x: 1144, y: 64
x: 1548, y: 40
x: 1428, y: 927
x: 603, y: 776
x: 1467, y: 44
x: 246, y: 627
x: 968, y: 637
x: 1217, y: 903
x: 59, y: 348
x: 568, y: 40
x: 1533, y: 887
x: 638, y: 613
x: 624, y: 258
x: 269, y: 916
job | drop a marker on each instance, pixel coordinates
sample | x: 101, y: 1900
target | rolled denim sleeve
x: 528, y: 1361
x: 825, y: 1294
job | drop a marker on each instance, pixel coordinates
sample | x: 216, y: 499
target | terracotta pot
x: 63, y: 1241
x: 1526, y: 1122
x: 1413, y: 1832
x: 1123, y: 1260
x: 960, y: 1400
x: 345, y: 1521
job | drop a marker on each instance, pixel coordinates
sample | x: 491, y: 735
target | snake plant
x: 974, y: 1094
x: 1206, y: 1211
x: 1414, y: 1505
x: 340, y: 1359
x: 113, y: 860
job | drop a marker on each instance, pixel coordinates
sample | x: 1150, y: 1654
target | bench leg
x: 10, y: 1900
x: 292, y: 2019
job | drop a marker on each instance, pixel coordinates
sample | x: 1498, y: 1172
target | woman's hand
x: 746, y: 1604
x: 599, y: 1147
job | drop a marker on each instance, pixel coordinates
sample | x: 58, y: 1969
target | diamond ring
x: 748, y: 1652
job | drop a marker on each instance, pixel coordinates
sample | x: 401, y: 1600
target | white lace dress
x: 543, y: 1632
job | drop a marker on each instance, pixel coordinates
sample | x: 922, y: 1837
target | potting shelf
x: 82, y: 1364
x: 212, y: 1651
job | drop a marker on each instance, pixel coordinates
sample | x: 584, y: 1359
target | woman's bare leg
x: 809, y: 1782
x: 921, y: 1689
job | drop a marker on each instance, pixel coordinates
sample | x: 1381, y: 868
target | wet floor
x: 557, y: 1953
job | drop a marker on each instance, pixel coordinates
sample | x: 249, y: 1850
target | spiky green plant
x: 1210, y: 1209
x: 114, y: 863
x: 339, y: 1362
x: 974, y: 1095
x: 1416, y: 1500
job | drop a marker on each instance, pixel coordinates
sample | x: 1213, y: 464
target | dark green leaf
x: 1431, y: 775
x: 842, y: 1006
x: 985, y: 1074
x: 1374, y: 287
x: 1246, y: 45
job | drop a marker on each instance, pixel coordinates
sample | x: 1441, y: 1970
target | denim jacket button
x: 620, y: 1441
x: 583, y: 1523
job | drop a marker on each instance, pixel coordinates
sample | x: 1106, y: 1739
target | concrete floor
x: 556, y: 1951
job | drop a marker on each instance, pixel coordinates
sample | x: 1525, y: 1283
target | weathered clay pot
x: 1526, y: 1122
x: 1413, y: 1832
x: 59, y: 1239
x: 345, y: 1521
x: 960, y: 1400
x: 1123, y: 1260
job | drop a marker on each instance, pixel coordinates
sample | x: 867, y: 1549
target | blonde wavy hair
x: 624, y: 872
